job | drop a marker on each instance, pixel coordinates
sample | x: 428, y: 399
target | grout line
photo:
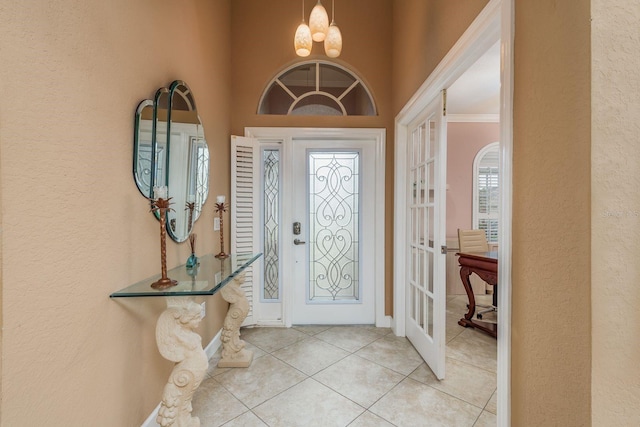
x: 348, y: 353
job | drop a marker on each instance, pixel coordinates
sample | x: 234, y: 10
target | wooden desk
x: 485, y: 265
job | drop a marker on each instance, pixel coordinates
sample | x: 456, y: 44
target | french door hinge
x: 444, y: 102
x: 443, y: 249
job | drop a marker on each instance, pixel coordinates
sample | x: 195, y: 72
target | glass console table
x: 207, y: 279
x: 175, y: 330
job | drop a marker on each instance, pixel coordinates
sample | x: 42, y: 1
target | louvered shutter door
x: 245, y: 210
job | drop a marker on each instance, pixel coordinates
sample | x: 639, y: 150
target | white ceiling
x: 477, y: 91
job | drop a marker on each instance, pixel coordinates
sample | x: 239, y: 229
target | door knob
x: 298, y: 242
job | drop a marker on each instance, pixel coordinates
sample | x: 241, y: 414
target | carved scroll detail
x: 234, y: 355
x: 178, y: 342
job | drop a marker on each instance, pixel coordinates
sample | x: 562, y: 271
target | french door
x: 425, y: 251
x: 312, y: 201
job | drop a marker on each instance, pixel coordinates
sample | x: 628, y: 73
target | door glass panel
x: 422, y: 269
x: 419, y: 307
x: 334, y: 205
x: 271, y: 165
x: 430, y: 269
x: 432, y: 139
x: 430, y: 216
x: 423, y: 148
x: 429, y: 328
x: 421, y: 212
x: 422, y: 184
x: 431, y: 181
x: 414, y: 265
x: 415, y: 152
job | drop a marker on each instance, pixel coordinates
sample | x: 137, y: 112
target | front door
x: 333, y: 232
x: 312, y: 201
x: 425, y: 227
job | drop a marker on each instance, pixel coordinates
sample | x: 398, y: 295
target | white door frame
x: 287, y: 135
x: 495, y: 22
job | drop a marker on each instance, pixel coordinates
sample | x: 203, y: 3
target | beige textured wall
x: 551, y: 323
x: 615, y: 179
x: 423, y: 32
x: 75, y: 227
x: 262, y: 45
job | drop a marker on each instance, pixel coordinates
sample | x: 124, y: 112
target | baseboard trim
x: 385, y: 322
x: 209, y: 350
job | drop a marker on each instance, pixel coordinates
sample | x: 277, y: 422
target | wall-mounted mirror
x: 181, y: 161
x: 188, y: 170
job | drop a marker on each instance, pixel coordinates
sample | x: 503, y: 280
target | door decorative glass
x: 334, y: 226
x: 271, y: 164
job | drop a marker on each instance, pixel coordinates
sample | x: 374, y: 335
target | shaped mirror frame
x: 142, y: 147
x: 188, y: 166
x: 181, y: 162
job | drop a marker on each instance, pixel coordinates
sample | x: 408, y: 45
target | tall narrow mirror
x: 188, y: 167
x: 142, y: 139
x: 159, y: 147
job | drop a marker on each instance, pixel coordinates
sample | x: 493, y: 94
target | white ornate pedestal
x: 234, y: 355
x: 178, y: 342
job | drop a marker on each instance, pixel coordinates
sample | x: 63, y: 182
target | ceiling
x: 477, y: 91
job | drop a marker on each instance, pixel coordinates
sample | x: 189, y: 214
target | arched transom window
x: 317, y: 88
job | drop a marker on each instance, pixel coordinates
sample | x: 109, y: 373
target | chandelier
x: 318, y: 30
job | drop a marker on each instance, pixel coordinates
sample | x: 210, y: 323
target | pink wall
x: 464, y: 140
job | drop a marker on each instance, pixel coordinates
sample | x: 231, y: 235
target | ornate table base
x: 178, y: 342
x: 484, y: 265
x: 234, y: 355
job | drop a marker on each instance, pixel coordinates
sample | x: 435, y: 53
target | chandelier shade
x: 319, y: 22
x: 333, y: 41
x: 302, y: 40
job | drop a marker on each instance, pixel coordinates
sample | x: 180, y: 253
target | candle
x: 220, y: 199
x: 191, y: 198
x: 160, y: 192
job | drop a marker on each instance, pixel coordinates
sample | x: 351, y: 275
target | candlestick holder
x: 220, y: 209
x: 161, y: 205
x: 190, y: 206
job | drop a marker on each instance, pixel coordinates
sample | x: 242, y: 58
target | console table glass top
x: 211, y: 276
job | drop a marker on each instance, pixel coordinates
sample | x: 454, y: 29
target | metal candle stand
x: 220, y: 209
x: 162, y: 205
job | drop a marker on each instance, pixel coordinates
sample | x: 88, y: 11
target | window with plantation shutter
x: 486, y: 192
x: 244, y: 215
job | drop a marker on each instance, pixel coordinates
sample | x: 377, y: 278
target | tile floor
x: 356, y: 376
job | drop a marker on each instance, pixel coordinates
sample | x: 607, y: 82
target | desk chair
x: 476, y: 241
